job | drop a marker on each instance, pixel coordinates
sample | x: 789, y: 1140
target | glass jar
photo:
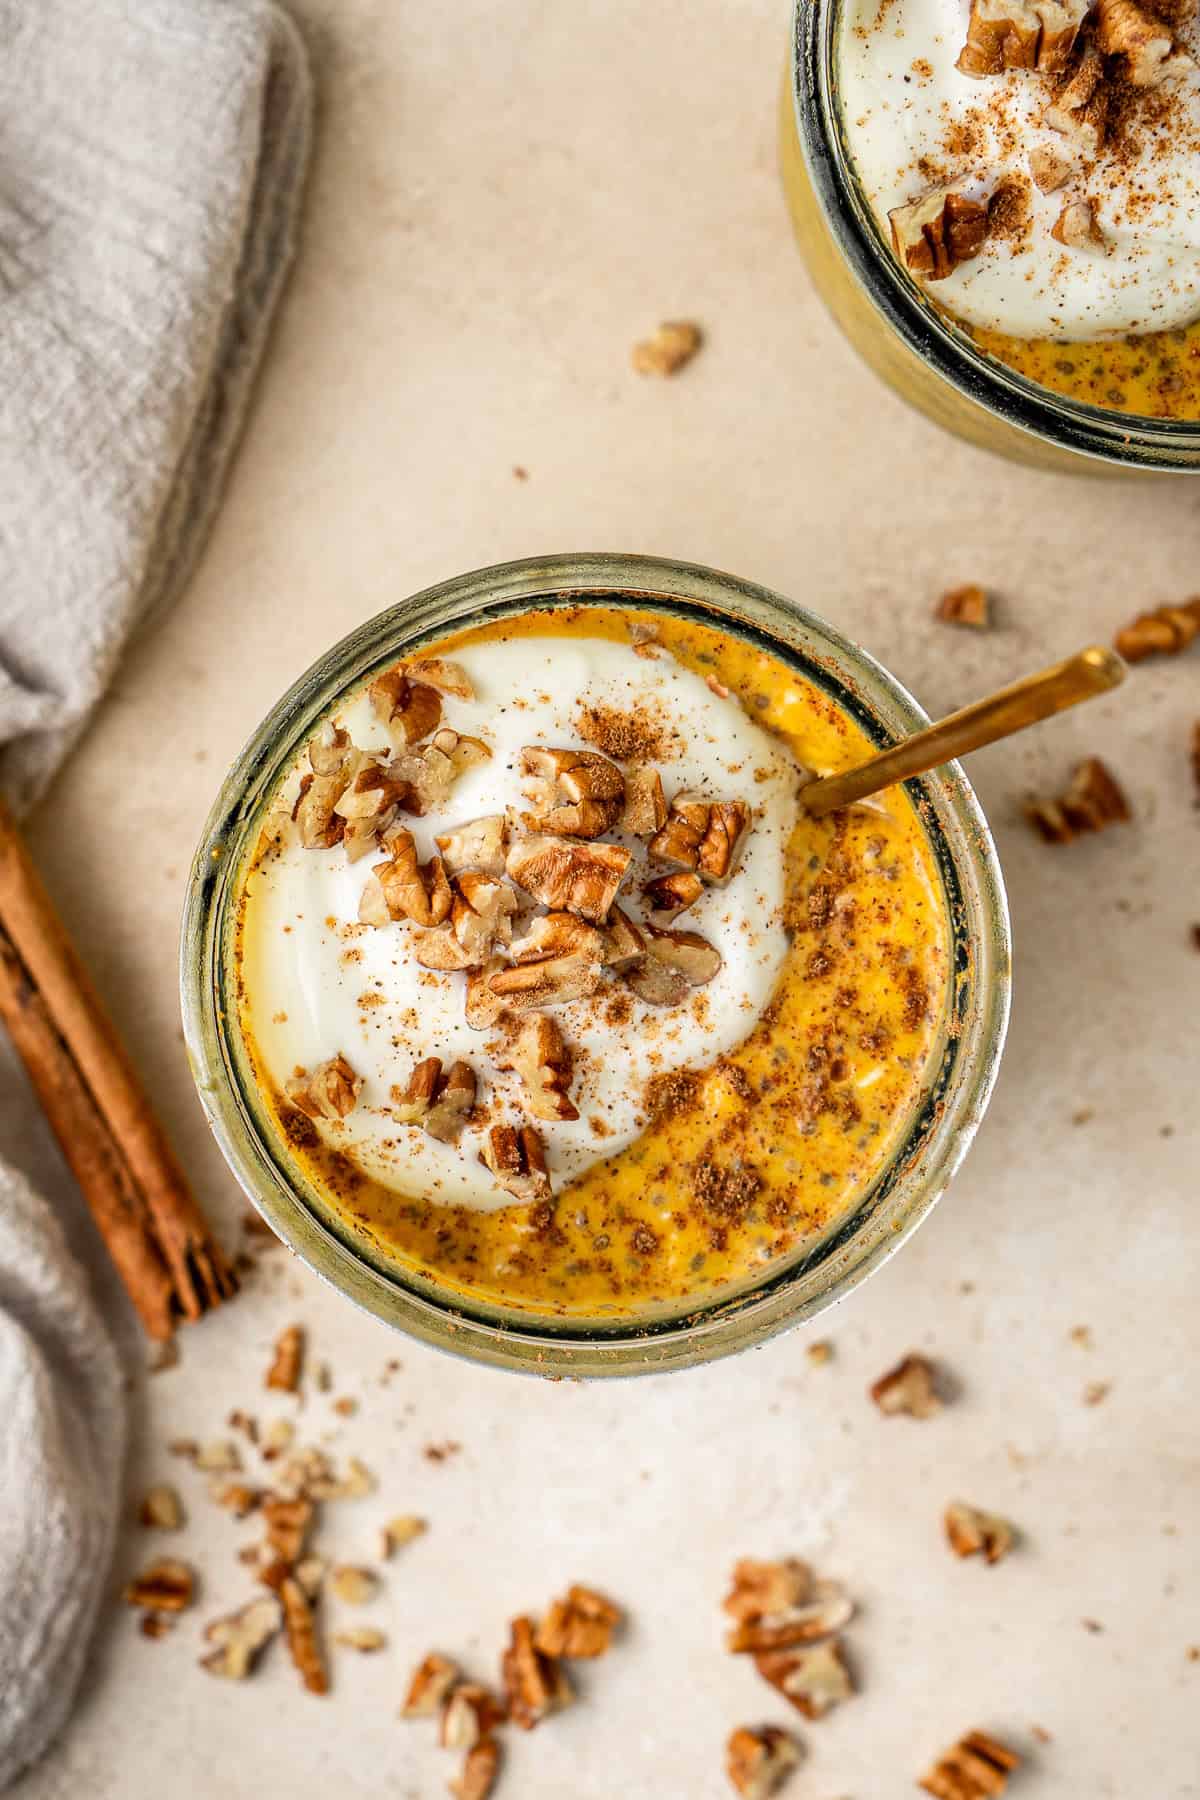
x: 929, y: 360
x: 960, y: 1072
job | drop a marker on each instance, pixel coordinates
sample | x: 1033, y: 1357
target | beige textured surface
x: 505, y: 197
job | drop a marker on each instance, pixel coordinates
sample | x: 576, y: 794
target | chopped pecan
x: 479, y: 844
x: 534, y: 1684
x: 439, y: 1102
x: 580, y: 1626
x: 623, y: 940
x: 827, y: 1609
x: 1049, y: 168
x: 300, y: 1629
x: 166, y: 1585
x: 674, y: 343
x: 368, y: 805
x: 287, y: 1523
x: 704, y: 835
x: 758, y: 1762
x: 567, y: 875
x: 411, y: 710
x: 482, y: 1007
x: 161, y: 1509
x: 330, y: 1092
x: 931, y: 236
x: 911, y: 1387
x: 767, y: 1587
x: 576, y: 793
x: 401, y: 1530
x: 481, y: 914
x: 964, y: 606
x: 402, y: 887
x: 470, y: 1713
x: 333, y: 762
x: 366, y: 1639
x: 287, y: 1363
x: 537, y: 1051
x: 237, y: 1497
x: 440, y: 673
x: 1146, y: 43
x: 670, y: 895
x: 970, y: 1532
x: 559, y: 958
x: 976, y: 1768
x: 1093, y: 801
x: 1021, y: 34
x: 479, y: 1772
x: 219, y: 1457
x: 1079, y: 111
x: 432, y: 771
x: 645, y: 803
x: 1076, y: 227
x: 815, y: 1680
x: 355, y: 1585
x: 517, y: 1159
x: 355, y: 1484
x: 431, y: 1682
x: 672, y: 963
x: 1164, y: 632
x: 241, y: 1637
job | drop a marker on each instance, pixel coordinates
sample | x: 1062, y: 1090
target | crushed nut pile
x: 1093, y: 801
x: 470, y: 908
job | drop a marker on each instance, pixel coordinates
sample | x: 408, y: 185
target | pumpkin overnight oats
x: 552, y: 987
x: 1033, y: 164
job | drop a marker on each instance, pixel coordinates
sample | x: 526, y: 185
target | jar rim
x: 1128, y: 440
x: 914, y: 1177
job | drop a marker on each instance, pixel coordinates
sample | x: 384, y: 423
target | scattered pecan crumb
x: 161, y: 1509
x: 345, y: 1406
x: 217, y: 1458
x: 1096, y: 1391
x: 400, y: 1531
x: 975, y: 1768
x: 277, y: 1438
x: 1164, y: 632
x: 354, y: 1585
x: 163, y: 1357
x: 911, y: 1387
x: 580, y: 1626
x: 758, y: 1762
x: 364, y: 1638
x: 156, y: 1625
x: 188, y: 1448
x: 237, y: 1497
x: 673, y: 345
x: 166, y: 1585
x: 301, y: 1635
x: 288, y: 1362
x: 479, y: 1771
x: 777, y: 1605
x: 470, y: 1714
x: 1040, y: 1735
x: 1050, y: 168
x: 1093, y: 801
x: 814, y: 1680
x: 965, y: 606
x: 971, y: 1532
x: 287, y: 1523
x: 534, y: 1683
x: 819, y: 1352
x: 241, y: 1638
x: 1092, y: 1626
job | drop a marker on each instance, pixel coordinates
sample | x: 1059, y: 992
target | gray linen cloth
x: 152, y: 154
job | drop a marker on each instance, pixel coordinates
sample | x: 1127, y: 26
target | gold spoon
x: 1080, y: 677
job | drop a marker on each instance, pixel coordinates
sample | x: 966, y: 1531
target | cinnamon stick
x: 136, y: 1190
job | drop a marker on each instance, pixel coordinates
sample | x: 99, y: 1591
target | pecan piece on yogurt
x: 932, y: 235
x: 976, y: 1768
x: 330, y: 1092
x: 402, y: 887
x: 671, y: 965
x: 432, y: 770
x: 440, y: 1101
x: 440, y: 673
x: 670, y: 895
x: 1145, y: 42
x: 537, y: 1051
x: 411, y: 710
x: 480, y: 920
x: 560, y: 958
x: 1021, y: 34
x: 1076, y: 227
x: 973, y: 1533
x: 758, y: 1762
x: 479, y: 844
x: 517, y: 1159
x: 1079, y: 110
x: 1050, y: 168
x: 568, y: 875
x: 704, y: 835
x: 645, y: 802
x: 577, y: 793
x: 333, y: 762
x: 368, y: 805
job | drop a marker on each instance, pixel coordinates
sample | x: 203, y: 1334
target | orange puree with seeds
x: 1156, y: 376
x: 740, y: 1160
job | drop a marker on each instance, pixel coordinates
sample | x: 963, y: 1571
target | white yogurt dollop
x: 318, y: 983
x: 903, y: 102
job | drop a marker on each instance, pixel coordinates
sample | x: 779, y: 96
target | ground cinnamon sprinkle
x: 670, y: 1095
x: 633, y: 735
x: 725, y: 1192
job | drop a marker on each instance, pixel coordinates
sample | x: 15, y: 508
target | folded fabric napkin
x: 152, y: 154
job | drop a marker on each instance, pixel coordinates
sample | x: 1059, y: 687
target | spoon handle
x: 1034, y: 697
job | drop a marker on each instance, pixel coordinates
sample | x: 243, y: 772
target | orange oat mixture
x: 741, y: 1164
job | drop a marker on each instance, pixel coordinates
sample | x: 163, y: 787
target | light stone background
x: 505, y: 197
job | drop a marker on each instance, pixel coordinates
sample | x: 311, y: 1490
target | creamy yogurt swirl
x: 913, y: 122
